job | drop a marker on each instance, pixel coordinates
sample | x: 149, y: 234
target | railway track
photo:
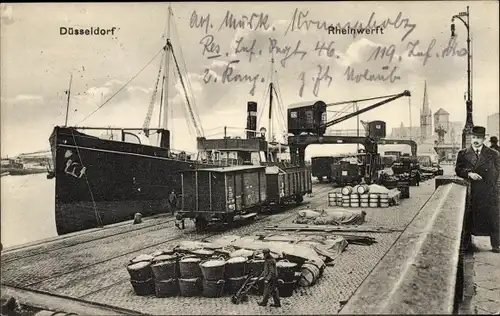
x: 111, y: 267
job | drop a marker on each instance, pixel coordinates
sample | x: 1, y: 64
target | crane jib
x: 371, y: 107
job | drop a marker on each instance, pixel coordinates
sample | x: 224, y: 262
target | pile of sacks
x: 332, y: 216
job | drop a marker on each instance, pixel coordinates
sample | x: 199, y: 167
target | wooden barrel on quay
x: 166, y: 272
x: 332, y: 198
x: 190, y: 287
x: 213, y: 288
x: 189, y: 268
x: 141, y: 278
x: 363, y: 189
x: 347, y: 190
x: 234, y: 284
x: 310, y: 274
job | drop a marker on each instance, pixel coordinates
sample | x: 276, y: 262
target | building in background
x: 425, y: 116
x: 493, y: 125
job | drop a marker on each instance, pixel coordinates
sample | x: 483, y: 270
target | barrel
x: 310, y: 273
x: 286, y: 289
x: 203, y: 253
x: 354, y: 204
x: 354, y: 196
x: 234, y: 284
x: 347, y: 190
x: 165, y: 267
x: 374, y: 196
x: 140, y: 271
x: 384, y: 195
x: 189, y: 268
x: 384, y: 200
x: 286, y: 270
x: 346, y: 204
x: 143, y: 288
x: 190, y: 287
x: 236, y: 267
x: 374, y: 204
x: 213, y: 288
x: 363, y: 204
x: 332, y: 198
x: 363, y: 188
x: 256, y: 266
x: 213, y: 269
x: 384, y: 204
x: 166, y: 288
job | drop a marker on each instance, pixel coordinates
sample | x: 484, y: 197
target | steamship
x: 101, y: 180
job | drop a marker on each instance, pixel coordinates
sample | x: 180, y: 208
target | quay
x: 415, y: 268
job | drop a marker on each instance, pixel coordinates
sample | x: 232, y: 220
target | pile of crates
x: 358, y: 196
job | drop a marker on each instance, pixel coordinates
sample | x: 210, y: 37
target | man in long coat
x: 481, y: 165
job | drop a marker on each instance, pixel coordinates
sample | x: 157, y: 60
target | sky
x: 37, y: 61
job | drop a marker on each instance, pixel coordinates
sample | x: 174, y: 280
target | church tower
x: 425, y: 116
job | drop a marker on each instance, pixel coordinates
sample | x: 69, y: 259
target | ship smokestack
x: 251, y: 119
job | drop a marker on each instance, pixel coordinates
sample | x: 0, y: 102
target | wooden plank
x: 331, y: 228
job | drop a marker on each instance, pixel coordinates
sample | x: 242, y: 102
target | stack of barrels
x: 141, y: 275
x: 379, y: 200
x: 236, y: 274
x: 358, y: 196
x: 190, y: 276
x: 213, y: 277
x: 165, y: 270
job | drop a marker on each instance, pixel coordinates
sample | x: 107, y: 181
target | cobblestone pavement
x: 95, y: 269
x: 486, y: 277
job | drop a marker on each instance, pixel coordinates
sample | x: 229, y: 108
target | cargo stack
x: 364, y: 200
x: 236, y: 274
x: 165, y: 270
x: 190, y: 276
x: 141, y: 275
x: 213, y: 277
x: 373, y: 200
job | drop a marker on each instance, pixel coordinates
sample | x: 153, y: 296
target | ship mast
x: 167, y: 71
x: 67, y: 102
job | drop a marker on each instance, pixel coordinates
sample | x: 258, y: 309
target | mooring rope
x: 98, y: 218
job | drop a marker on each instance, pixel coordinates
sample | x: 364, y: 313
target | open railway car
x: 225, y: 194
x: 286, y: 185
x: 321, y: 167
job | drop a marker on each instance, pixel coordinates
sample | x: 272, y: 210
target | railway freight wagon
x: 221, y: 194
x: 321, y: 167
x: 286, y: 185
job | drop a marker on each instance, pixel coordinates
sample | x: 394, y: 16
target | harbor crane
x: 308, y: 125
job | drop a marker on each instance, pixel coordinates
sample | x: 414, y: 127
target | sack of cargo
x: 302, y: 220
x: 375, y: 188
x: 241, y: 253
x: 344, y: 217
x: 308, y: 214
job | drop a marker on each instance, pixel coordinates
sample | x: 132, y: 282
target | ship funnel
x: 251, y: 119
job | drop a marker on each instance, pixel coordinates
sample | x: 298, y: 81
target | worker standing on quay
x: 494, y: 143
x: 270, y: 276
x: 172, y: 202
x: 481, y: 165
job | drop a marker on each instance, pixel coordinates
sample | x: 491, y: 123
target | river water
x: 27, y: 209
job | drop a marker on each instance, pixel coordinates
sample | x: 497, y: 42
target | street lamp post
x: 466, y: 133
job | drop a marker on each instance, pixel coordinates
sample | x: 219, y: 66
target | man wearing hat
x: 270, y: 276
x: 494, y: 143
x: 481, y: 165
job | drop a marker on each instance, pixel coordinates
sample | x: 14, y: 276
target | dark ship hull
x: 100, y: 182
